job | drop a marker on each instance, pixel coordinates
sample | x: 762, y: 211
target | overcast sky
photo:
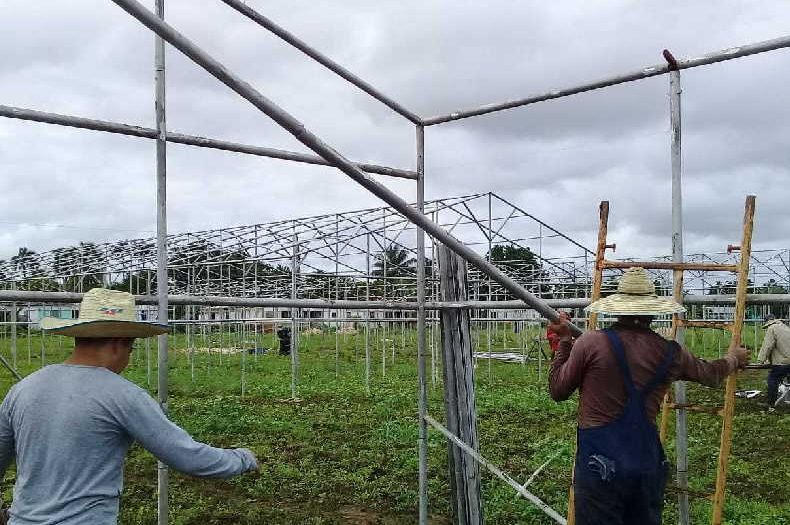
x: 557, y: 159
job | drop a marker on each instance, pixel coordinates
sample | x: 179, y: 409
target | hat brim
x: 625, y: 304
x: 77, y: 328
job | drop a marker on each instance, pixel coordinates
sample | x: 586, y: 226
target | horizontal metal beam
x: 309, y: 139
x: 189, y: 140
x: 316, y: 55
x: 9, y: 296
x: 645, y: 72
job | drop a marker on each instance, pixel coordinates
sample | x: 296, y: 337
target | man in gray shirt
x: 70, y: 425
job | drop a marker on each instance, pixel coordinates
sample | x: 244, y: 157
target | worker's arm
x: 567, y: 368
x: 144, y: 420
x: 7, y: 446
x: 710, y: 373
x: 769, y: 343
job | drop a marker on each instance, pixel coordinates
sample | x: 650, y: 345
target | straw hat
x: 636, y: 295
x: 104, y: 313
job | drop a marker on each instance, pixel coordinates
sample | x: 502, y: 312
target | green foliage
x: 341, y: 455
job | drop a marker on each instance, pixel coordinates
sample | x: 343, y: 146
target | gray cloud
x: 557, y: 159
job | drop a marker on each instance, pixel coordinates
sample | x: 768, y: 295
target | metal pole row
x: 303, y: 135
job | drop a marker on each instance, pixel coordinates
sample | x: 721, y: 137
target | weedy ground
x: 341, y: 454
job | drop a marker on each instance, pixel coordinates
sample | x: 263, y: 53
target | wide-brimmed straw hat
x: 104, y: 313
x: 636, y: 295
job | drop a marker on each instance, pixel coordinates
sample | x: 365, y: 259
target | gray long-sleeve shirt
x: 70, y: 427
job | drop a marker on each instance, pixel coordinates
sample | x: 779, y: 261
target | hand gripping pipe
x: 307, y: 138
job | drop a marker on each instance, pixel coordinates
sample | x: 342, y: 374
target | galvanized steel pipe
x: 57, y: 119
x: 303, y: 135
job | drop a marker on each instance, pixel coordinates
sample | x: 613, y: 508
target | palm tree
x: 25, y: 262
x: 394, y: 262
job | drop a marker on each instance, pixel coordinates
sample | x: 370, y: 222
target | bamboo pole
x: 592, y: 319
x: 729, y: 393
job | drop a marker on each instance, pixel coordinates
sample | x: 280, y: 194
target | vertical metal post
x: 385, y: 255
x: 681, y: 422
x: 161, y: 250
x: 147, y: 311
x: 294, y: 322
x: 489, y: 298
x: 367, y: 314
x: 337, y: 295
x: 14, y: 319
x: 422, y: 391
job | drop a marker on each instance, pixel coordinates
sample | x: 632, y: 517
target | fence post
x: 459, y: 391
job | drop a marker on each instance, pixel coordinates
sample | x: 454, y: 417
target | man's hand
x: 561, y: 327
x: 741, y: 354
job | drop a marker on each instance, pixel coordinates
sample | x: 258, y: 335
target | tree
x: 520, y: 263
x: 26, y: 263
x: 394, y: 262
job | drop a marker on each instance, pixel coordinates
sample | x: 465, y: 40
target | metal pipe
x: 681, y: 415
x: 161, y: 252
x: 189, y: 140
x: 645, y: 72
x: 310, y: 140
x: 8, y: 296
x: 294, y: 321
x: 496, y: 471
x: 316, y: 55
x: 422, y: 389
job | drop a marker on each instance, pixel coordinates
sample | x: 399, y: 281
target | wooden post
x: 459, y: 391
x: 592, y: 318
x: 729, y: 393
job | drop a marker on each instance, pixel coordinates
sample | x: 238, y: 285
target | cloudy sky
x: 557, y: 159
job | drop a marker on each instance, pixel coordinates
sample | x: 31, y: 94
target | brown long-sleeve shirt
x: 590, y: 365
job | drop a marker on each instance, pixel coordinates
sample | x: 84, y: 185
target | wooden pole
x: 729, y: 393
x: 592, y: 318
x: 459, y: 391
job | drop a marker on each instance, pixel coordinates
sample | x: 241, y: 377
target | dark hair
x: 635, y: 321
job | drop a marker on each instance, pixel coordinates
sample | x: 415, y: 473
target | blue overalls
x: 621, y: 468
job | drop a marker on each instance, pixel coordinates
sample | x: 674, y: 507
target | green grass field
x: 343, y: 455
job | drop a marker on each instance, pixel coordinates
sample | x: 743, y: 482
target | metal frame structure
x: 327, y: 155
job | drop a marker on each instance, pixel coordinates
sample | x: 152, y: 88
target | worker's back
x: 593, y: 369
x: 67, y: 425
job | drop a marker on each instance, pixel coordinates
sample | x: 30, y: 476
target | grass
x: 343, y: 455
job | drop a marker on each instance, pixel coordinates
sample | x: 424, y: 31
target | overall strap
x: 618, y: 349
x: 663, y: 369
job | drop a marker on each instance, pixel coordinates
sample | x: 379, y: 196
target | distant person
x: 622, y: 374
x: 775, y: 352
x: 70, y: 425
x: 552, y: 336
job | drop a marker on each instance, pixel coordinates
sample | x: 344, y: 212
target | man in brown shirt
x: 622, y: 374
